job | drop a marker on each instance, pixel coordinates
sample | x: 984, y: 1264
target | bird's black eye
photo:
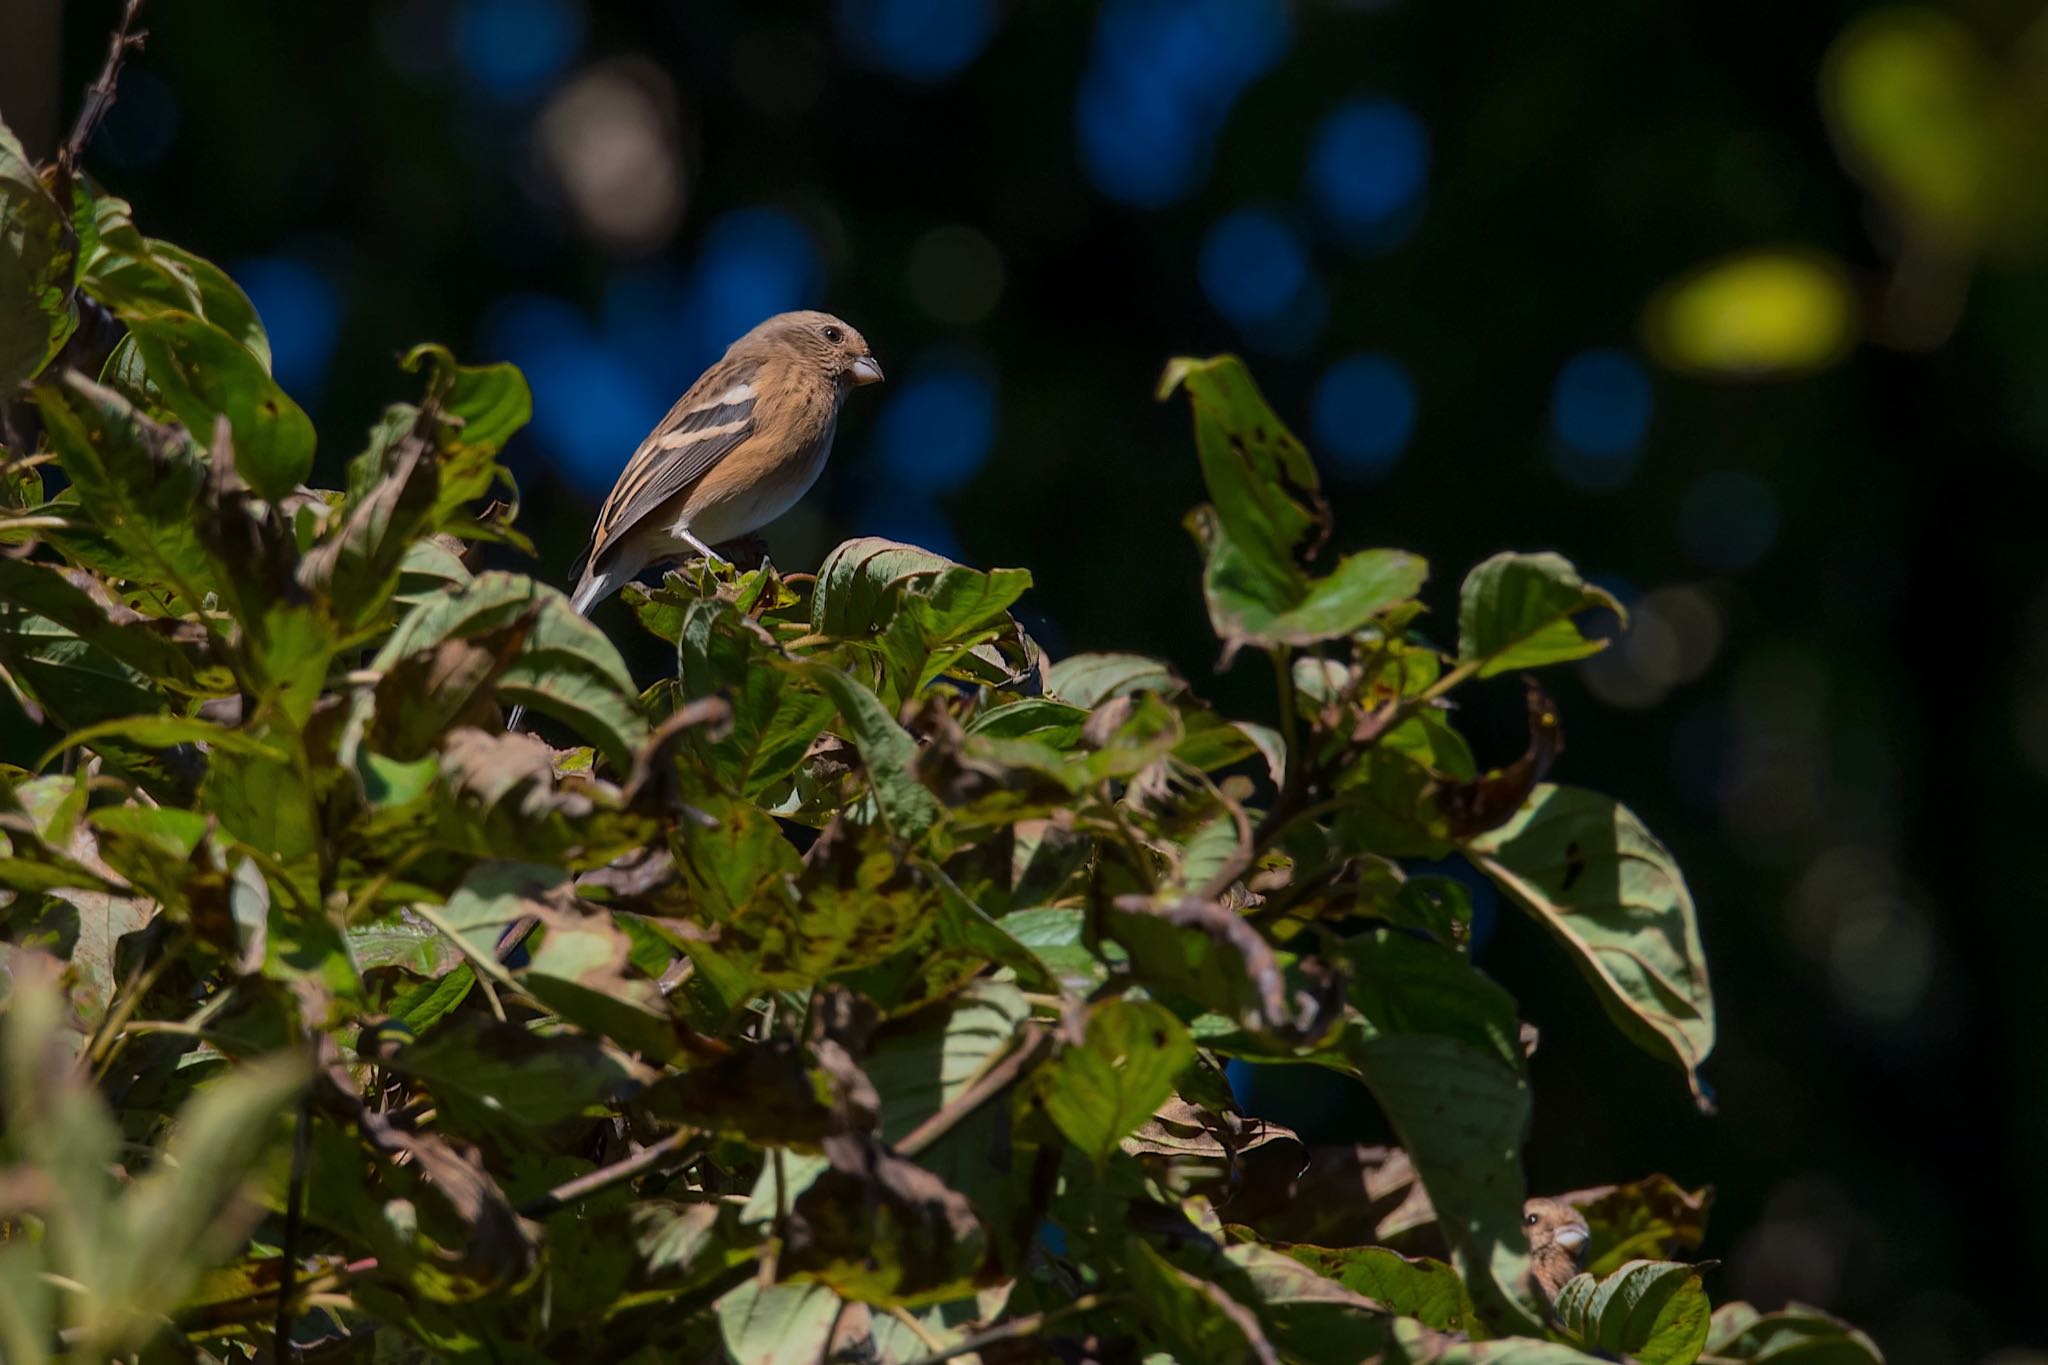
x: 834, y: 335
x: 1528, y: 1220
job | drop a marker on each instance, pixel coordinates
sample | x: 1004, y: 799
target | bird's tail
x: 594, y: 588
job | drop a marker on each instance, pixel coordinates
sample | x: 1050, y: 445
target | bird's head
x: 829, y: 343
x: 1553, y: 1223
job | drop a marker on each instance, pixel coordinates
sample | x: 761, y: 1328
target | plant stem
x: 606, y: 1176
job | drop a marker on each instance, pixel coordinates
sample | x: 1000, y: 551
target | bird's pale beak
x: 1572, y: 1237
x: 866, y: 370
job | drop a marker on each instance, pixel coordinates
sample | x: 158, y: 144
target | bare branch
x: 99, y: 96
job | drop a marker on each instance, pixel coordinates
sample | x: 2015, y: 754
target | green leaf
x: 941, y: 618
x: 1412, y: 1286
x: 856, y: 593
x: 493, y: 1078
x: 1088, y: 680
x: 1612, y: 895
x: 183, y: 1217
x: 886, y: 750
x: 1403, y: 985
x: 1306, y: 1315
x: 567, y: 667
x: 1192, y: 1315
x: 1654, y: 1312
x: 488, y: 402
x: 165, y: 651
x: 921, y: 1063
x: 1265, y: 521
x: 1649, y: 1218
x: 262, y: 800
x: 203, y: 373
x: 1251, y: 604
x: 776, y: 712
x: 358, y: 562
x: 137, y: 481
x: 782, y: 1324
x: 119, y: 266
x: 1516, y: 610
x: 1462, y: 1115
x: 38, y: 256
x: 221, y: 300
x: 1101, y: 1091
x: 1268, y: 502
x: 1796, y: 1335
x: 76, y: 682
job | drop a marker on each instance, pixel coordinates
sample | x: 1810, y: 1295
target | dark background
x: 1434, y: 229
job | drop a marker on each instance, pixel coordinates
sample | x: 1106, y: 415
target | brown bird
x: 1557, y: 1239
x: 735, y: 452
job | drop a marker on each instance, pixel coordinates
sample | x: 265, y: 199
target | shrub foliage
x: 861, y: 989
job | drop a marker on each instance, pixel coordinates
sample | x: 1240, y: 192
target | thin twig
x: 1033, y: 1041
x: 605, y: 1176
x: 99, y: 96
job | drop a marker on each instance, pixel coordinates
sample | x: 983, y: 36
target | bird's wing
x: 706, y: 424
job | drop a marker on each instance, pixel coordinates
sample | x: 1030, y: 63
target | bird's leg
x: 689, y: 538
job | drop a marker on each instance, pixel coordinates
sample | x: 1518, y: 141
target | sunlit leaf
x: 1515, y: 611
x: 1103, y: 1089
x: 1650, y: 1311
x: 37, y: 263
x: 203, y: 373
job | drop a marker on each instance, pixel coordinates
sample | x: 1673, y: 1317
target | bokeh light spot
x: 754, y: 263
x: 911, y: 518
x: 1599, y: 411
x: 1161, y: 81
x: 1369, y: 162
x: 1728, y: 519
x: 920, y: 40
x: 1364, y: 413
x: 1760, y: 313
x: 936, y: 430
x: 1600, y: 405
x: 514, y: 49
x: 301, y: 313
x: 1253, y: 265
x: 591, y: 406
x: 610, y: 138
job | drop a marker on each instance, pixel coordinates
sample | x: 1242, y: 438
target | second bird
x: 733, y: 454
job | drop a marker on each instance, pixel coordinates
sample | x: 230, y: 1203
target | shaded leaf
x: 1602, y: 884
x: 501, y: 1079
x: 886, y: 750
x: 1414, y: 1287
x: 567, y: 667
